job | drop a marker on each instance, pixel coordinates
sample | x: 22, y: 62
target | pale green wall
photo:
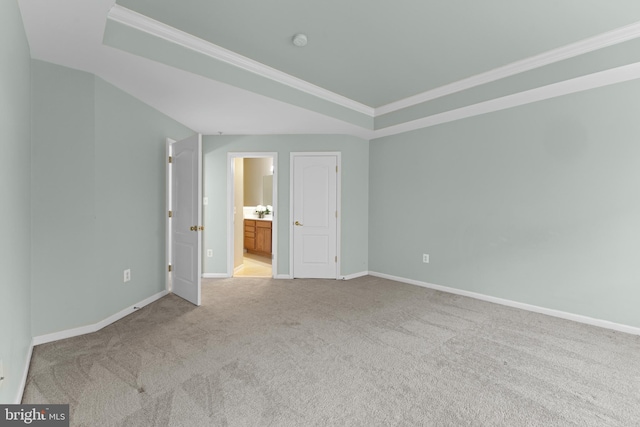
x: 15, y: 192
x: 98, y: 198
x: 63, y: 189
x: 355, y: 187
x: 537, y: 204
x: 130, y: 165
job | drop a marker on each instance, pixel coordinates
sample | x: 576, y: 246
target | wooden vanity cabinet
x: 257, y: 237
x: 263, y: 237
x: 249, y: 234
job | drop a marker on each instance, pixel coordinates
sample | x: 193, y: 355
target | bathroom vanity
x: 257, y: 236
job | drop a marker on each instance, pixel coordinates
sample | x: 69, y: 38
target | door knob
x: 298, y: 223
x: 193, y: 228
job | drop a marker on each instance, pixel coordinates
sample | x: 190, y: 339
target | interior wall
x: 537, y: 204
x: 130, y: 197
x: 98, y: 198
x: 15, y: 193
x: 63, y: 215
x: 355, y: 193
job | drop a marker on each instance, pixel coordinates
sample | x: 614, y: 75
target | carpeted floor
x: 364, y: 352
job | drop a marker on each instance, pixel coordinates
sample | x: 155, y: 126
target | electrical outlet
x: 210, y: 253
x: 425, y: 258
x: 127, y: 275
x: 205, y: 201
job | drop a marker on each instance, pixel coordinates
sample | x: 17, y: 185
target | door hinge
x: 169, y: 267
x: 336, y: 169
x: 336, y: 259
x: 170, y: 214
x: 336, y: 214
x: 170, y: 159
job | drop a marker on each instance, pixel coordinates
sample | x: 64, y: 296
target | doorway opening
x: 252, y: 206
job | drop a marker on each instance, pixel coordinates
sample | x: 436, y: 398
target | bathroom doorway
x: 252, y: 227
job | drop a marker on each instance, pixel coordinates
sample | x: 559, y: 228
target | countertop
x: 255, y: 217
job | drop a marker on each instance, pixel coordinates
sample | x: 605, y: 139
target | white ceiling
x: 70, y: 33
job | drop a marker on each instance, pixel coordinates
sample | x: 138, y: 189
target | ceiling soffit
x: 377, y: 52
x: 158, y: 29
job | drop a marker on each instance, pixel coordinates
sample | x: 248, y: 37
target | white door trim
x: 167, y: 275
x: 231, y: 156
x: 338, y: 155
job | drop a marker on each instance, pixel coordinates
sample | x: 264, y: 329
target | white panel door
x: 186, y: 206
x: 315, y: 216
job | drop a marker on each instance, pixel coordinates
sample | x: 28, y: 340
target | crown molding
x: 566, y: 87
x: 610, y: 38
x: 155, y: 28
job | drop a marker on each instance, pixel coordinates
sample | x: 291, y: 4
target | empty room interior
x: 442, y: 225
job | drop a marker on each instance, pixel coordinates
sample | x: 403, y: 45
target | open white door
x: 186, y: 217
x: 315, y: 216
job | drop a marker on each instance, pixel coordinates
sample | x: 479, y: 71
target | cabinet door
x: 263, y: 237
x: 259, y: 239
x: 249, y: 234
x: 267, y: 241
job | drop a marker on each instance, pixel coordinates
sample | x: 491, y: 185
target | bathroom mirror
x: 267, y: 190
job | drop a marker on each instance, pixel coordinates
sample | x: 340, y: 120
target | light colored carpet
x: 365, y: 352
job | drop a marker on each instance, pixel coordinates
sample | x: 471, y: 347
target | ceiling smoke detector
x: 300, y: 40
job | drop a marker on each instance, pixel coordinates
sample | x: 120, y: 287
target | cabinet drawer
x: 250, y: 234
x: 263, y: 224
x: 249, y: 222
x: 249, y: 242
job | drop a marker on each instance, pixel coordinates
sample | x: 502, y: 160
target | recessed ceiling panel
x: 380, y: 51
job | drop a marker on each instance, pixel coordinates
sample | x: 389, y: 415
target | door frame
x: 231, y: 156
x: 167, y: 273
x: 338, y: 155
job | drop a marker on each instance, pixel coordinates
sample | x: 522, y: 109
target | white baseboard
x: 69, y: 333
x: 354, y: 275
x: 215, y: 275
x: 347, y: 277
x: 238, y: 268
x: 82, y: 330
x: 25, y: 372
x: 509, y: 303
